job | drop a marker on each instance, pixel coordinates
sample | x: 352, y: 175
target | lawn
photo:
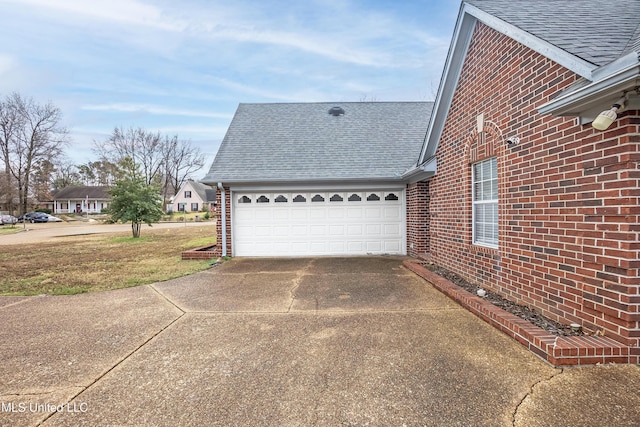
x: 78, y: 264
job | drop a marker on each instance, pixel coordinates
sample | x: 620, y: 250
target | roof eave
x: 422, y: 172
x: 609, y: 84
x: 307, y: 181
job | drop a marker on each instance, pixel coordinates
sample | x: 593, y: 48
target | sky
x: 182, y: 67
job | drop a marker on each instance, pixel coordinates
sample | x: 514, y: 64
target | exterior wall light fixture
x: 604, y: 119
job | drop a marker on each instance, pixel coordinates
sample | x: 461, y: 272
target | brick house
x: 513, y: 188
x: 528, y: 199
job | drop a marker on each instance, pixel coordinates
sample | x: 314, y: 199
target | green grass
x: 7, y: 229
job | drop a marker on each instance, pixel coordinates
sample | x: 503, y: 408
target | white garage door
x: 318, y: 223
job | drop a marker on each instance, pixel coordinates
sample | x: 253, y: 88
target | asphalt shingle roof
x: 206, y: 192
x: 81, y: 192
x: 303, y: 142
x: 595, y: 30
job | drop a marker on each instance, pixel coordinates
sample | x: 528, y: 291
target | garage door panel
x: 392, y: 246
x: 299, y: 213
x: 337, y: 247
x: 336, y: 212
x: 354, y: 212
x: 281, y: 214
x: 281, y: 230
x: 394, y: 212
x: 263, y: 230
x: 374, y: 229
x: 372, y: 213
x: 317, y: 213
x: 299, y: 230
x: 337, y: 230
x: 354, y: 230
x: 318, y: 223
x: 317, y: 230
x: 374, y: 246
x: 262, y: 214
x: 392, y: 229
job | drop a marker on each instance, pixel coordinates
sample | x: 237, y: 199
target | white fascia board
x: 601, y: 93
x: 448, y: 82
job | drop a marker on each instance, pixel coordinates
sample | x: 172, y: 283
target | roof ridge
x: 633, y: 44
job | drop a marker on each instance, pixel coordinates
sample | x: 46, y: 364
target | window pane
x: 485, y: 202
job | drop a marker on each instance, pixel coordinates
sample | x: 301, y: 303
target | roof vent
x: 336, y: 111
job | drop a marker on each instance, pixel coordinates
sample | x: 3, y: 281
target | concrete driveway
x: 288, y: 342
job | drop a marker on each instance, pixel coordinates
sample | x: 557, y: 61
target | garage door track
x: 292, y: 342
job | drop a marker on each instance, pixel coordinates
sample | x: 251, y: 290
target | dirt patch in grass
x: 78, y: 264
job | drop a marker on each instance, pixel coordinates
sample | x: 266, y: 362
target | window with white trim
x: 485, y: 202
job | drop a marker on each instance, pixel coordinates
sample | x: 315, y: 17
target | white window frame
x: 483, y: 240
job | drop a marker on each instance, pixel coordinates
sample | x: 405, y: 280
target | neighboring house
x: 513, y: 189
x: 193, y: 197
x: 317, y: 178
x: 45, y: 204
x: 81, y: 199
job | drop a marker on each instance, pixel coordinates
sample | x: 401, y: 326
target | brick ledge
x: 199, y: 254
x: 556, y: 350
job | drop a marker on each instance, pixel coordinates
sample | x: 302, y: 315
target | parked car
x: 51, y: 218
x: 8, y: 219
x: 33, y: 217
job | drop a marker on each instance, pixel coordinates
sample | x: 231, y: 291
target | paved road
x: 50, y: 231
x: 287, y: 342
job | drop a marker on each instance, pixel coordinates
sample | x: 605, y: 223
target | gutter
x: 224, y: 218
x: 421, y: 172
x: 598, y: 94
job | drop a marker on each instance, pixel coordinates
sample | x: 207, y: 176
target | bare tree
x: 10, y: 123
x: 144, y: 148
x: 181, y: 159
x: 42, y: 181
x: 162, y: 160
x: 31, y: 133
x: 65, y: 175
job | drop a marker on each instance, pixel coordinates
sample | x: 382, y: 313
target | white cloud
x: 130, y: 12
x: 151, y: 109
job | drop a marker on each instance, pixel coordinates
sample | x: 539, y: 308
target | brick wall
x: 219, y: 213
x: 569, y: 195
x: 418, y: 219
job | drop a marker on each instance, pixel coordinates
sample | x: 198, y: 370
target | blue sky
x: 182, y: 67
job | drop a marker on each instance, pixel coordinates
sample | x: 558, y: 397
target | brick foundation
x: 557, y: 350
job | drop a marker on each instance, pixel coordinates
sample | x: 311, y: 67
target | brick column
x: 418, y: 219
x: 219, y: 213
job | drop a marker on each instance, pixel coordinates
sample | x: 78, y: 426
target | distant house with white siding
x: 193, y: 197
